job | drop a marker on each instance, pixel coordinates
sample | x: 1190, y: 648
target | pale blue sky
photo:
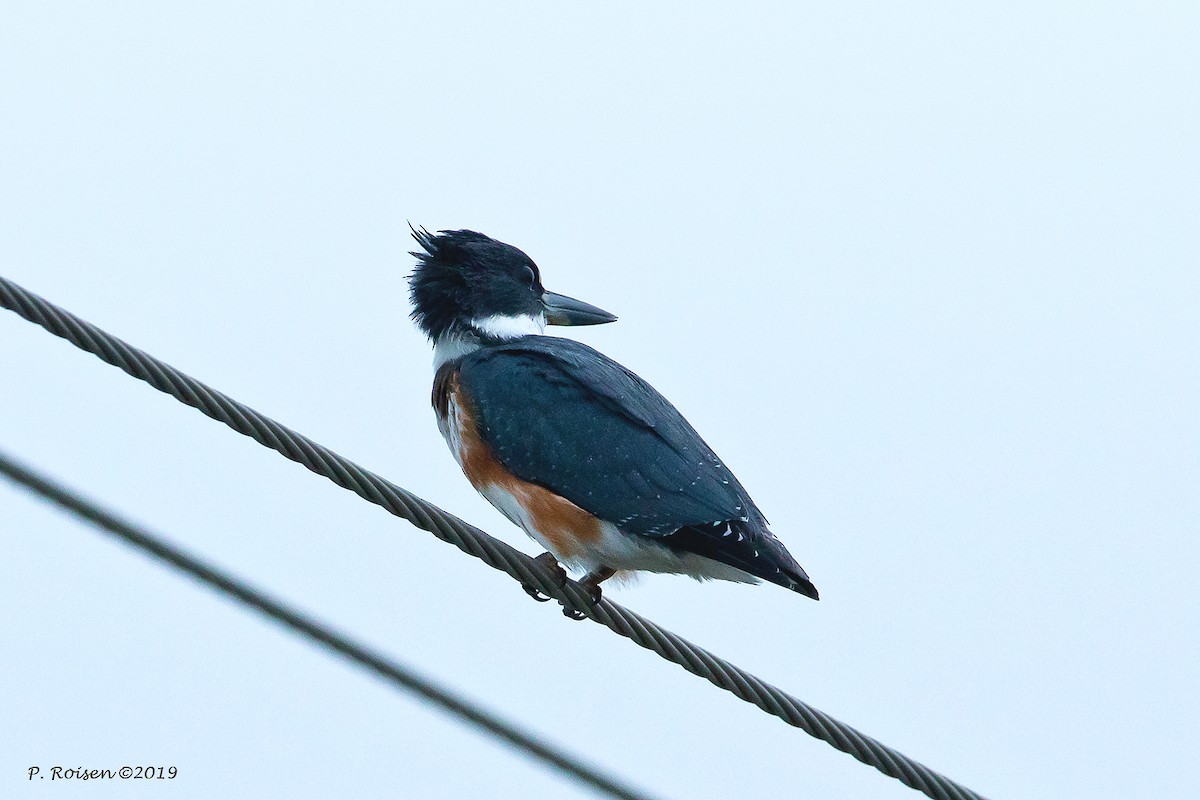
x: 924, y: 276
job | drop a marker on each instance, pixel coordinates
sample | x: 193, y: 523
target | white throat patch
x: 452, y: 346
x: 497, y: 326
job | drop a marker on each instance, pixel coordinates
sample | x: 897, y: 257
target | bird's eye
x: 530, y: 276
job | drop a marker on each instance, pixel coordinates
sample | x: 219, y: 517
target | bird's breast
x: 554, y: 521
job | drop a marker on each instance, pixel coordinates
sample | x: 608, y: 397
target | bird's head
x: 467, y: 283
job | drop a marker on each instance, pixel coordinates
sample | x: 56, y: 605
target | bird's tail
x: 750, y: 547
x: 797, y: 581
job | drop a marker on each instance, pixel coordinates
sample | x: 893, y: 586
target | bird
x: 580, y: 452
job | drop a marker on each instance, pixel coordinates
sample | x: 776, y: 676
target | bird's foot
x: 591, y: 583
x: 548, y: 561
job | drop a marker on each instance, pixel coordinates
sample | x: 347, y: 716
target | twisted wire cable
x: 475, y: 542
x: 322, y: 634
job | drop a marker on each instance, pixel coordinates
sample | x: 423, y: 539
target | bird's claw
x: 592, y: 584
x: 535, y: 594
x: 548, y: 561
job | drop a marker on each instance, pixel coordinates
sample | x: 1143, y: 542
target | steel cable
x: 473, y: 541
x: 305, y: 625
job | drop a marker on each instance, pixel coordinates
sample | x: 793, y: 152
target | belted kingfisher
x: 584, y: 455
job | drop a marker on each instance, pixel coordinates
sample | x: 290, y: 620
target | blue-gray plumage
x: 581, y: 452
x: 559, y: 414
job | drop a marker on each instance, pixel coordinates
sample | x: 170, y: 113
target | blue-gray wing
x: 559, y: 414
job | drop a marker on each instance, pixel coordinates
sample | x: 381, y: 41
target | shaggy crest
x: 457, y: 270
